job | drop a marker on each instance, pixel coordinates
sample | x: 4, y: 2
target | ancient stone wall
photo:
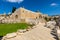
x: 21, y: 14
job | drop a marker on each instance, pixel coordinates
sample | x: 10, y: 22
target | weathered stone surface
x: 58, y: 32
x: 10, y: 35
x: 51, y: 24
x: 22, y: 31
x: 21, y: 15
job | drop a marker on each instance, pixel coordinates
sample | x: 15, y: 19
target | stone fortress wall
x: 21, y: 14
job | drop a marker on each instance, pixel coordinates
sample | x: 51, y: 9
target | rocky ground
x: 39, y: 32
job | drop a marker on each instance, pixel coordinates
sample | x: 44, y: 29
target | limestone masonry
x: 21, y: 15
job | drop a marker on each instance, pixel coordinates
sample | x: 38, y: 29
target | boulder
x: 58, y: 33
x: 50, y: 24
x: 21, y: 31
x: 10, y: 35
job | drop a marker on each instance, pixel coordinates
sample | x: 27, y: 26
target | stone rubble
x: 50, y: 24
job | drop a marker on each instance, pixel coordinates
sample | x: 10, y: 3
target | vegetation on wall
x: 47, y: 19
x: 13, y: 9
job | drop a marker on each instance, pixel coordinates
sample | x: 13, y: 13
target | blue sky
x: 50, y: 7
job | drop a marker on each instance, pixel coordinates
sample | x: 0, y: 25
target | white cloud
x: 53, y: 4
x: 15, y: 1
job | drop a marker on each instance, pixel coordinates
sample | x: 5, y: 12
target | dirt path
x: 38, y: 33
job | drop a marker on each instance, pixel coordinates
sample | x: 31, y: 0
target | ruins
x: 21, y: 15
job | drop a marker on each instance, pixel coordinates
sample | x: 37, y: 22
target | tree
x: 46, y: 18
x: 13, y: 9
x: 38, y: 11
